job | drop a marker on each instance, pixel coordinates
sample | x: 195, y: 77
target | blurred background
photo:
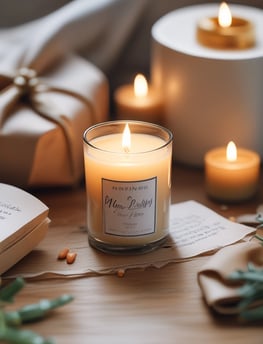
x: 133, y: 53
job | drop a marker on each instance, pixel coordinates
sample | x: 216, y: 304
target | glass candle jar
x: 128, y: 184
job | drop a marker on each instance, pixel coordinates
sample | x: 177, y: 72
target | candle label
x: 129, y: 208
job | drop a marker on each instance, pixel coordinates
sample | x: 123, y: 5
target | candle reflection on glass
x: 231, y: 174
x: 225, y: 31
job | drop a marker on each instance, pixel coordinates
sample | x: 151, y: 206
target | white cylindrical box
x: 210, y: 96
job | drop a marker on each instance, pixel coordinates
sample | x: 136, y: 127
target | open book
x: 23, y: 224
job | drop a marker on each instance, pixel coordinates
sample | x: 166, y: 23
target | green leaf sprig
x: 251, y: 292
x: 10, y: 321
x: 250, y: 306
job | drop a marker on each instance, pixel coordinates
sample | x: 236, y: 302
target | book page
x: 20, y: 212
x: 195, y: 229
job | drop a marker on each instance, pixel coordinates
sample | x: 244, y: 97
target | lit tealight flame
x: 224, y: 15
x: 231, y: 151
x: 140, y: 86
x: 126, y: 139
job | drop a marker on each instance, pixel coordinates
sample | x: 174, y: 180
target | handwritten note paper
x: 196, y: 229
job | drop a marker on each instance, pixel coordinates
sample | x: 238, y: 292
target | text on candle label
x: 129, y: 208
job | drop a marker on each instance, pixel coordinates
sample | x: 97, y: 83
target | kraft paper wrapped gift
x: 42, y: 120
x: 48, y: 97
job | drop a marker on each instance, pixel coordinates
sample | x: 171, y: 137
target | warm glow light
x: 224, y: 15
x: 231, y: 151
x: 126, y: 138
x: 140, y: 86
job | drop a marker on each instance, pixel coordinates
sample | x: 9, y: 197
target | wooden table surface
x: 151, y: 306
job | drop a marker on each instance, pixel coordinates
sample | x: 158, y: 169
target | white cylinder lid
x: 177, y: 31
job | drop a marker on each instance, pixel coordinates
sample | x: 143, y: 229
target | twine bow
x: 24, y: 87
x: 26, y: 79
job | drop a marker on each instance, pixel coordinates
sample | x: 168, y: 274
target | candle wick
x: 126, y: 149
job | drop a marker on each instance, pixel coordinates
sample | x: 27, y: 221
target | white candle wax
x: 128, y: 191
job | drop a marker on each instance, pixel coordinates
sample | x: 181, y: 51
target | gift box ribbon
x: 25, y: 86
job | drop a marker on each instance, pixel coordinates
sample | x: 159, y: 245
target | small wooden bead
x: 71, y: 257
x: 63, y: 253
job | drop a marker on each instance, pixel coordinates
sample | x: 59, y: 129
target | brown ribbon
x: 25, y: 86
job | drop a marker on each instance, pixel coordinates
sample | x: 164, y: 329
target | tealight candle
x: 127, y: 171
x: 139, y: 101
x: 231, y: 174
x: 225, y: 31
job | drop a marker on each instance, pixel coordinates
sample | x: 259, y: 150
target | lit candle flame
x: 231, y: 152
x: 140, y: 86
x: 126, y: 139
x: 224, y: 15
